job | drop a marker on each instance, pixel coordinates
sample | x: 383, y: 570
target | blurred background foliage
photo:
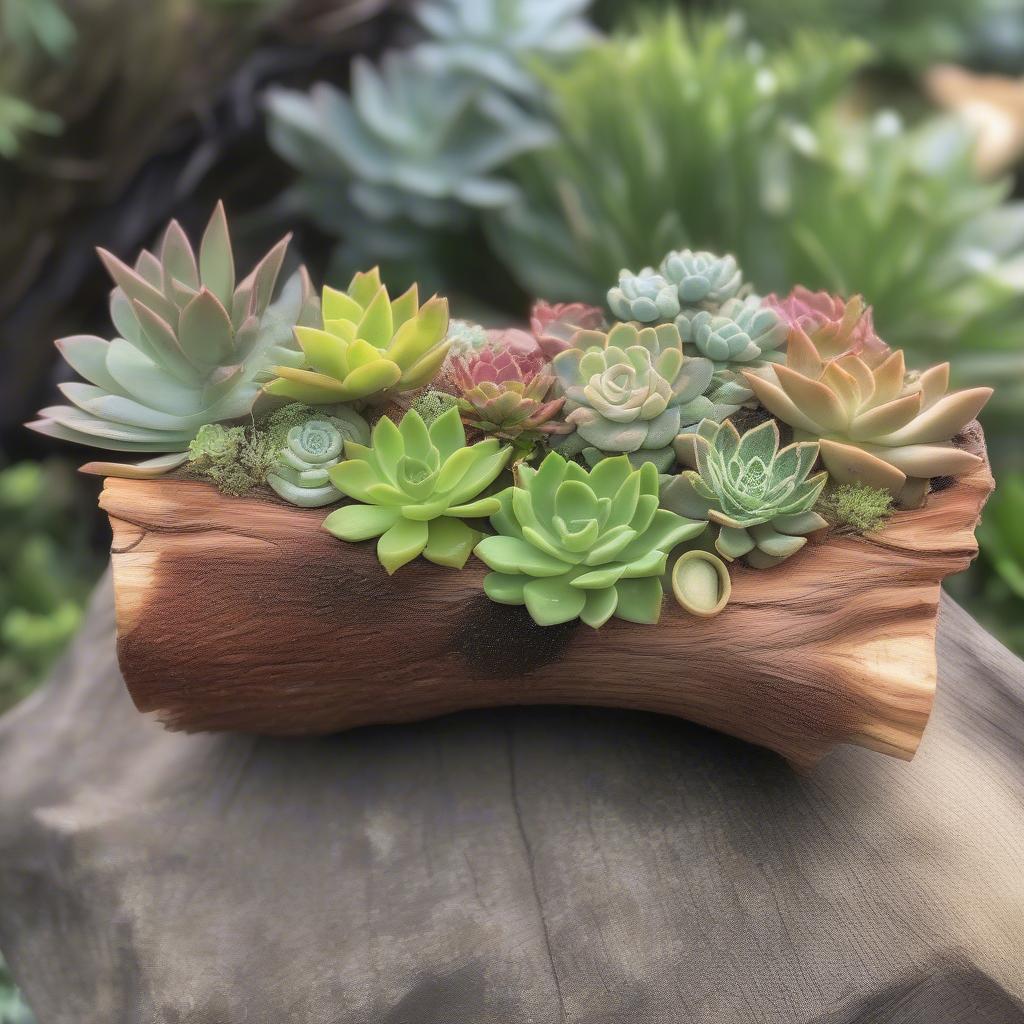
x: 500, y: 150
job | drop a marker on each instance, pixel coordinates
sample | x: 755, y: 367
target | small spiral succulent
x: 300, y: 474
x: 645, y: 297
x: 702, y: 277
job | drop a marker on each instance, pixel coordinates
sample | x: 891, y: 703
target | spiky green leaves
x: 416, y: 485
x: 193, y: 346
x: 370, y: 347
x: 632, y: 390
x: 761, y: 498
x: 573, y: 544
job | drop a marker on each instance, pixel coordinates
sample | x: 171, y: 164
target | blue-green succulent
x: 702, y: 277
x: 645, y: 297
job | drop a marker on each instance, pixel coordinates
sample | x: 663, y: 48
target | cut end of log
x: 243, y: 614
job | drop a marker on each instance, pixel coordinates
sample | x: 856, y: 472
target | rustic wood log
x: 243, y: 614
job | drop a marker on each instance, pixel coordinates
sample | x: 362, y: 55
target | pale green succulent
x: 632, y: 391
x: 370, y: 348
x: 702, y: 277
x: 645, y: 297
x: 193, y: 349
x: 417, y: 485
x: 466, y: 338
x: 573, y: 544
x: 760, y: 497
x: 311, y: 449
x: 741, y: 334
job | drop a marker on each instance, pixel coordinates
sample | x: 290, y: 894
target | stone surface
x: 519, y: 866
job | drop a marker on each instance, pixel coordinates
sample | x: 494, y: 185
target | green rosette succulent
x: 761, y: 498
x: 702, y: 277
x: 645, y: 297
x: 577, y: 544
x: 416, y: 485
x: 311, y: 449
x: 742, y: 334
x: 631, y: 391
x: 370, y: 348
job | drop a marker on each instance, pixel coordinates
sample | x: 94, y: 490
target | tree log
x: 243, y: 614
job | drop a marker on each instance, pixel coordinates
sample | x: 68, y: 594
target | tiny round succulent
x: 573, y: 544
x: 416, y: 485
x: 300, y: 474
x: 645, y: 297
x: 702, y: 277
x: 505, y: 393
x: 632, y: 391
x: 555, y: 325
x: 761, y: 498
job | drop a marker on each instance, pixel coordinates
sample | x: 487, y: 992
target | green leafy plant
x: 855, y: 508
x: 370, y: 347
x: 573, y: 544
x: 193, y: 349
x: 631, y: 391
x: 762, y: 498
x: 311, y: 448
x: 417, y: 485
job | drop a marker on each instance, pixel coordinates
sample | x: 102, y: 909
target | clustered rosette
x: 555, y: 325
x: 835, y: 326
x: 504, y: 393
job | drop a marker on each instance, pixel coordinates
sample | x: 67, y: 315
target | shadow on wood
x: 243, y: 614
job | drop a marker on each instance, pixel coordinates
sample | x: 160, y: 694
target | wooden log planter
x: 243, y: 614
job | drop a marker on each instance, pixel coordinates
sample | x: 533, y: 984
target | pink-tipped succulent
x: 504, y: 393
x: 554, y: 325
x: 836, y: 326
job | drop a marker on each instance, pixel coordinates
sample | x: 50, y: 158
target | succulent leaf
x: 702, y: 277
x: 645, y: 297
x: 577, y: 544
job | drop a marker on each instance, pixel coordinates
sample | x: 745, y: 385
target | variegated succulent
x: 417, y: 485
x: 632, y: 391
x: 554, y: 325
x: 370, y: 347
x: 645, y: 297
x: 506, y: 394
x: 193, y: 347
x: 877, y: 424
x: 702, y: 278
x: 573, y: 544
x: 760, y: 497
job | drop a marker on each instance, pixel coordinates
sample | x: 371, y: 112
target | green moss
x: 432, y: 404
x: 854, y: 508
x: 236, y: 459
x: 280, y: 421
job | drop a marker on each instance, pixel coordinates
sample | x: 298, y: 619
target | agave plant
x: 573, y: 544
x: 311, y: 449
x: 370, y: 347
x: 877, y: 425
x: 760, y: 497
x: 501, y: 40
x: 505, y: 394
x: 193, y: 349
x: 632, y: 391
x: 645, y: 297
x: 702, y: 278
x: 555, y: 325
x: 416, y: 485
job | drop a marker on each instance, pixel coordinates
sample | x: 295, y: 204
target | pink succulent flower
x: 836, y: 326
x: 555, y: 325
x: 505, y: 393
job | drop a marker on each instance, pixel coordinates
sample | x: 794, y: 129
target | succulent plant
x: 555, y: 325
x: 645, y: 297
x: 465, y: 337
x: 235, y: 459
x: 702, y: 277
x: 701, y: 583
x: 370, y: 348
x: 760, y: 497
x: 632, y: 391
x: 877, y: 425
x: 413, y: 143
x: 416, y: 485
x: 311, y: 449
x: 505, y: 394
x: 577, y: 544
x: 500, y: 40
x: 835, y: 326
x: 193, y: 349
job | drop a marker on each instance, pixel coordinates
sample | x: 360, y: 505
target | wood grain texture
x: 243, y: 614
x: 513, y: 866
